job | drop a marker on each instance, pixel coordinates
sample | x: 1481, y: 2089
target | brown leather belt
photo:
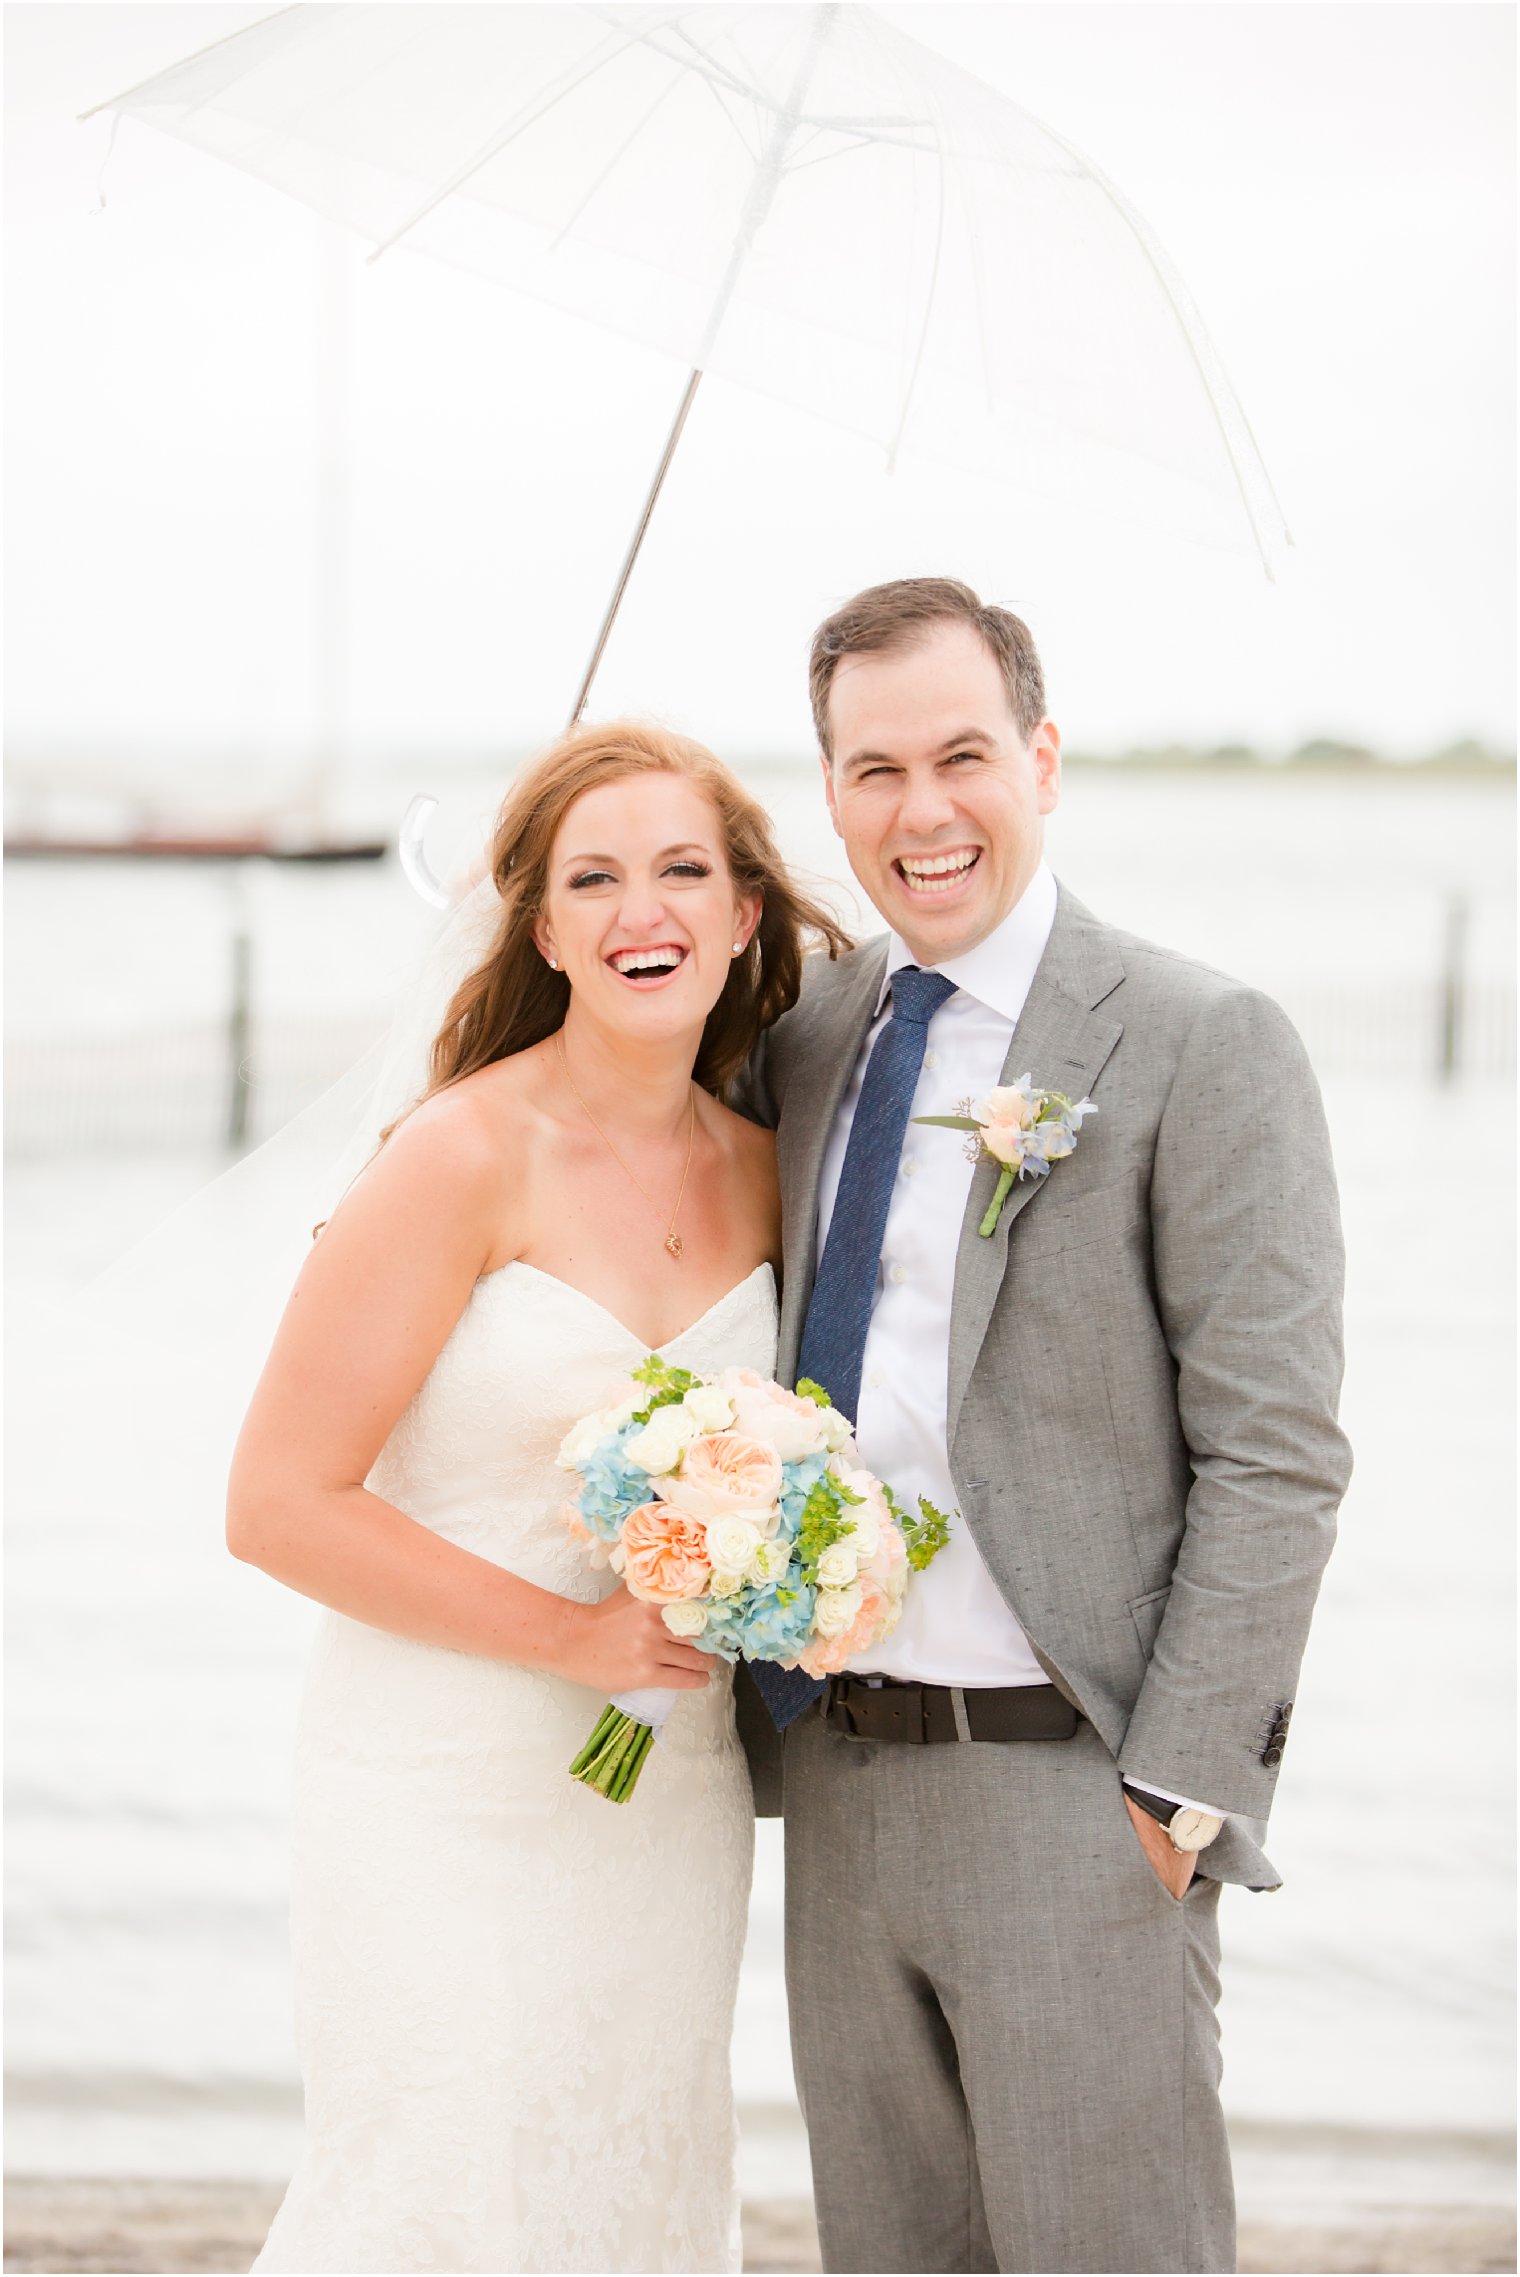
x: 926, y: 1713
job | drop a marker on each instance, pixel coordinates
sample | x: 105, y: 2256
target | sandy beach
x: 100, y: 2224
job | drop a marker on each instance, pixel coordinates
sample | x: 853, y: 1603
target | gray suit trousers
x: 1003, y: 2026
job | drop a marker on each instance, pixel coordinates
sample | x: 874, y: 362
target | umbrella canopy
x: 799, y: 198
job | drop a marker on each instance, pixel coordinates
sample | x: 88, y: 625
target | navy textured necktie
x: 839, y: 1314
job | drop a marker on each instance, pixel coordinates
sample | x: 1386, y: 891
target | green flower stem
x: 1000, y: 1194
x: 588, y: 1754
x: 613, y: 1757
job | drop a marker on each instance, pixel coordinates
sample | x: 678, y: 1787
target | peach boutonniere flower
x: 1022, y: 1130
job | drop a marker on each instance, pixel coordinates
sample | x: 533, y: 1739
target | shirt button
x: 898, y: 1273
x: 910, y: 1166
x: 874, y: 1379
x: 931, y: 1059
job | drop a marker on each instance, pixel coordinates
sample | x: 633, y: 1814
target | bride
x: 514, y: 1999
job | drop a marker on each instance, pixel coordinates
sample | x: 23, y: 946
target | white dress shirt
x: 957, y: 1627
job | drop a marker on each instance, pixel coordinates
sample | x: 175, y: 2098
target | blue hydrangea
x: 797, y: 1482
x: 611, y: 1485
x: 724, y: 1633
x: 777, y: 1620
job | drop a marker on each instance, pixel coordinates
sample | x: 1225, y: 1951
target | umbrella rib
x: 612, y: 164
x: 716, y: 93
x: 1160, y: 263
x: 950, y: 154
x: 824, y: 157
x: 498, y: 143
x: 210, y: 48
x: 930, y: 295
x: 716, y: 75
x: 707, y: 66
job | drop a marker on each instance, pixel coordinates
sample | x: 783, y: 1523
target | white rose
x: 865, y: 1537
x: 662, y: 1442
x: 685, y: 1619
x: 836, y: 1610
x: 709, y: 1407
x: 769, y: 1563
x: 838, y: 1565
x: 731, y: 1543
x: 584, y: 1440
x: 722, y: 1584
x: 837, y: 1434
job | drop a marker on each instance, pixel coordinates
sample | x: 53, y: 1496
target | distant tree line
x: 1468, y: 755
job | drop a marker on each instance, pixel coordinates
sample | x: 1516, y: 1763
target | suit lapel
x: 1062, y: 1041
x: 846, y: 1007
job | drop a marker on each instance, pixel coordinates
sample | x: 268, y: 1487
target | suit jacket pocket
x: 1059, y: 1219
x: 1146, y: 1614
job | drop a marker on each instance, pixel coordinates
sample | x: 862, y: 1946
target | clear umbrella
x: 798, y: 198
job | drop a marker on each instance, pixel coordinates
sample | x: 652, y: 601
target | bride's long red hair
x: 512, y: 999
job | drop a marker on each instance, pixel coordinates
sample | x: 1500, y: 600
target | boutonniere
x: 1022, y: 1130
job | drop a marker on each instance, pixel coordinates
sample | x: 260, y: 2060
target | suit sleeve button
x: 1272, y: 1756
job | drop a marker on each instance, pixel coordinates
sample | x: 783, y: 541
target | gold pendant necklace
x: 672, y: 1239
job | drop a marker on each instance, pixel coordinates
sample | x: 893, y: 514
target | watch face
x: 1193, y: 1830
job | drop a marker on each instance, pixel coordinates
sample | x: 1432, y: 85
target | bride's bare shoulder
x: 469, y: 1141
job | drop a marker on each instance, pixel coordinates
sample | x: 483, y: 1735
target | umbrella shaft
x: 763, y: 189
x: 632, y: 555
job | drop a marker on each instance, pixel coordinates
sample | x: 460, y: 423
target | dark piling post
x: 239, y: 1020
x: 1451, y: 1004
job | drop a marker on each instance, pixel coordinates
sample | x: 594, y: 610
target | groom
x: 1007, y: 1827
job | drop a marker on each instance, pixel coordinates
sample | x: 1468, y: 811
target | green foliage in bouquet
x: 668, y: 1386
x: 823, y: 1522
x: 925, y: 1535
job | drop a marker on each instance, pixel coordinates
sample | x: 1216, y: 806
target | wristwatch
x: 1189, y: 1831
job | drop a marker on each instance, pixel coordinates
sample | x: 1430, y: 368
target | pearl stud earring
x: 738, y: 948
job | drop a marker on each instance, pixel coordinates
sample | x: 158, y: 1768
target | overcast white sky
x: 1336, y: 183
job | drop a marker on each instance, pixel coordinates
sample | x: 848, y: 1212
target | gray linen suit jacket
x: 1144, y: 1358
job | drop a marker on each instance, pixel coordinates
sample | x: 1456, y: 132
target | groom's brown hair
x: 896, y: 616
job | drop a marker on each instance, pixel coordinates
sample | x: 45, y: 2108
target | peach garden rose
x: 726, y: 1475
x: 664, y: 1554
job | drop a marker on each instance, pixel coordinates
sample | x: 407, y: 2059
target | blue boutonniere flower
x: 1021, y: 1129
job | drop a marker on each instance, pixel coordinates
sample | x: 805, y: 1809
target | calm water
x: 152, y: 1683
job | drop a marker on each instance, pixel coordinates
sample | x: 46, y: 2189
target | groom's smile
x: 937, y: 873
x: 939, y: 797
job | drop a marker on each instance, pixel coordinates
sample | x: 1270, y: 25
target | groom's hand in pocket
x: 1172, y: 1868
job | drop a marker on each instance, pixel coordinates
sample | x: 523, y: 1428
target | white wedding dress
x: 514, y: 1999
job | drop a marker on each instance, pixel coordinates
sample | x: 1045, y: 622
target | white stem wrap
x: 650, y: 1707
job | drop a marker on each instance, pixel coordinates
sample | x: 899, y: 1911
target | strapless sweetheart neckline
x: 703, y: 1320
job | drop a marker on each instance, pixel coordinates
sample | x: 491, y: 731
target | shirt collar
x: 998, y: 971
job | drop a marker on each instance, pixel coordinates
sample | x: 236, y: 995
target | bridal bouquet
x: 741, y: 1509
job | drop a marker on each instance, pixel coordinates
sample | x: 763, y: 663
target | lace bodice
x: 514, y: 1999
